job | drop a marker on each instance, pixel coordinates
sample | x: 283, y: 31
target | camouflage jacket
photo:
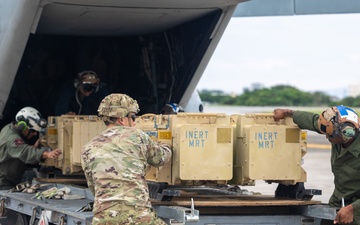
x: 114, y: 163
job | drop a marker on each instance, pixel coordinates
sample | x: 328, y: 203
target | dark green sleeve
x: 356, y: 206
x: 306, y: 120
x: 26, y: 153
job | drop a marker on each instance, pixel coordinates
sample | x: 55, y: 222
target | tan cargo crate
x: 202, y: 148
x: 267, y: 150
x: 70, y: 133
x: 201, y: 145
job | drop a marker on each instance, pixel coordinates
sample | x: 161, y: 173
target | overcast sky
x: 312, y: 53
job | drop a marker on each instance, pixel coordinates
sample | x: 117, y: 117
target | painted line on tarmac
x: 319, y: 146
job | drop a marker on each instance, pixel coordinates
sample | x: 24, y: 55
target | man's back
x: 118, y: 163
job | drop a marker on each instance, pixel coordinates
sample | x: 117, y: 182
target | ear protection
x: 76, y: 82
x: 348, y: 130
x: 22, y: 124
x: 80, y: 77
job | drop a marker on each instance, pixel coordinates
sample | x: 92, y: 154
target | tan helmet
x: 339, y: 120
x: 118, y: 105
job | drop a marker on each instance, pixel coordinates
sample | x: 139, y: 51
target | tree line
x: 283, y: 95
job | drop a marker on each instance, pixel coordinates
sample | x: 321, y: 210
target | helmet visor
x: 89, y: 87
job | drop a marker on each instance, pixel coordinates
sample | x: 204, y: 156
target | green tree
x: 283, y: 95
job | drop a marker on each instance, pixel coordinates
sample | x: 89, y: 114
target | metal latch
x: 177, y: 214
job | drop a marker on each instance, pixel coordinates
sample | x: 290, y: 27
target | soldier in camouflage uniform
x: 115, y: 161
x: 341, y: 126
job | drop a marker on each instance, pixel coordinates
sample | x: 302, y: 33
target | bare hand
x: 53, y: 154
x: 282, y: 113
x: 345, y: 215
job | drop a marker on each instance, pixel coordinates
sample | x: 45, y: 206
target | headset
x: 21, y: 125
x: 346, y: 131
x: 24, y: 123
x: 339, y: 121
x: 87, y: 86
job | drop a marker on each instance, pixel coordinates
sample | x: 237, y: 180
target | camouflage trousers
x: 120, y: 214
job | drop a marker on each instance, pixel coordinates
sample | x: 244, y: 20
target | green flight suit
x: 15, y: 153
x: 345, y: 165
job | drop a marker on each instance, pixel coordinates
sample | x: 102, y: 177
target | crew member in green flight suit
x: 15, y: 150
x: 340, y: 124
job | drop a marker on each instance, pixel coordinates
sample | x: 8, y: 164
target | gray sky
x: 312, y: 53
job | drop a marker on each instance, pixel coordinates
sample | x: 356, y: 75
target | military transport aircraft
x: 155, y: 51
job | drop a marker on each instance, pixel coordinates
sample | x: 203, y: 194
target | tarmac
x: 316, y: 163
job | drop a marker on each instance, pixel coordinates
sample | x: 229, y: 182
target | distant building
x: 337, y: 94
x: 354, y: 90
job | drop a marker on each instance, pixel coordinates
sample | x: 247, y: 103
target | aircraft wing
x: 295, y: 7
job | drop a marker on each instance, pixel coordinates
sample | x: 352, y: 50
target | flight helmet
x: 88, y: 80
x: 30, y: 118
x: 339, y: 121
x: 171, y: 108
